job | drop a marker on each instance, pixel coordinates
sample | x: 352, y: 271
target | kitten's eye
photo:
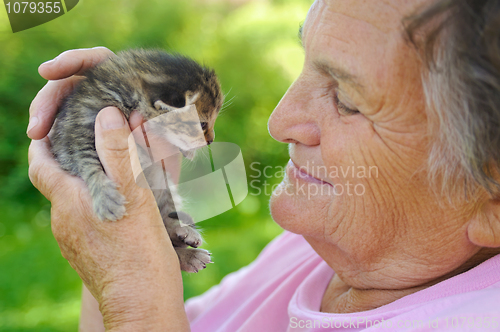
x: 204, y: 125
x: 178, y: 102
x: 343, y: 109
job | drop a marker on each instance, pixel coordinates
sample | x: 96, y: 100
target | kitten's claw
x: 193, y: 260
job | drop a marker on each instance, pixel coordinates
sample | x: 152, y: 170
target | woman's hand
x: 129, y: 266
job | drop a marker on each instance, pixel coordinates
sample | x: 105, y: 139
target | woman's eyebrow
x: 299, y: 34
x: 338, y: 74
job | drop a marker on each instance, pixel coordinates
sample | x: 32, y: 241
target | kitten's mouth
x: 189, y: 154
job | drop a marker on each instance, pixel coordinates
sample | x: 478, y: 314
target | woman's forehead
x: 384, y: 15
x: 364, y: 39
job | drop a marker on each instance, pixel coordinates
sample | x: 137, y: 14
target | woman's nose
x: 295, y: 120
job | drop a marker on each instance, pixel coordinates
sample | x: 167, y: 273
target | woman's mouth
x: 300, y: 173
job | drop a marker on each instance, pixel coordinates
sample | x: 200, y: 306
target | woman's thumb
x: 112, y: 144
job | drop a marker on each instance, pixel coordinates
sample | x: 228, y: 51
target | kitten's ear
x: 160, y: 105
x: 173, y: 215
x: 191, y: 97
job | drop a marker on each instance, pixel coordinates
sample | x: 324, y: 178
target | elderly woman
x: 409, y: 89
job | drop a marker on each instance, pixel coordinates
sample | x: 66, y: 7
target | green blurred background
x: 253, y: 47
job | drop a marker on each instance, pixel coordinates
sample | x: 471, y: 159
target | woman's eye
x: 343, y: 109
x: 204, y: 125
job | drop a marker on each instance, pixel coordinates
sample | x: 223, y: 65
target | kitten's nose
x: 209, y: 136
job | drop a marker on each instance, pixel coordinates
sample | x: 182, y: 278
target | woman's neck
x: 340, y: 297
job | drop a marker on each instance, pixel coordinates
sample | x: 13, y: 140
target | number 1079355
x: 33, y: 7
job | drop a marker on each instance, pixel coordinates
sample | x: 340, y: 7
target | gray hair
x: 460, y: 44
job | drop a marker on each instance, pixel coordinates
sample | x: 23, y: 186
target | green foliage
x: 254, y: 49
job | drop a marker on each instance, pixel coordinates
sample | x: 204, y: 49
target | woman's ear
x: 484, y: 228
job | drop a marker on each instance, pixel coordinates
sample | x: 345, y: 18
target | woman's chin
x: 298, y: 211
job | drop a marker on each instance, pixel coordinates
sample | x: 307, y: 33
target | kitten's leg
x: 181, y: 235
x: 191, y: 260
x: 74, y: 148
x: 184, y: 234
x: 169, y: 201
x: 107, y: 201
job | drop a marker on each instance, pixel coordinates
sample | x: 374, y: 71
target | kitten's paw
x: 182, y: 232
x: 193, y: 260
x: 188, y: 235
x: 109, y: 204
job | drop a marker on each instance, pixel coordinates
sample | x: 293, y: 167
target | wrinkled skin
x: 386, y: 230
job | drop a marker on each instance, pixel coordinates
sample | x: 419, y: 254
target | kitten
x: 153, y: 83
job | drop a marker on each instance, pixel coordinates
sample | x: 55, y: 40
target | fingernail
x: 111, y: 118
x: 33, y: 122
x: 49, y: 62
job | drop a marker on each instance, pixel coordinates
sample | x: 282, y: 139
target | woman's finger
x: 45, y: 173
x: 43, y: 108
x: 73, y: 62
x: 135, y: 120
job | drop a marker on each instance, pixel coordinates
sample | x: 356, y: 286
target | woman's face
x: 356, y: 123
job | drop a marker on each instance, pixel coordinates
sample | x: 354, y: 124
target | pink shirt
x: 282, y: 291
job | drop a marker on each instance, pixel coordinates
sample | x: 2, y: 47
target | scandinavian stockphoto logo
x: 212, y: 180
x: 28, y: 14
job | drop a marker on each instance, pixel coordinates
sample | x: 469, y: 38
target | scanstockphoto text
x: 348, y: 180
x: 449, y: 323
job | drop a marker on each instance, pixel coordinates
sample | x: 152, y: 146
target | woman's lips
x: 296, y: 172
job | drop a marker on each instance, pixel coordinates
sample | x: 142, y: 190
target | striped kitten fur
x: 153, y: 83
